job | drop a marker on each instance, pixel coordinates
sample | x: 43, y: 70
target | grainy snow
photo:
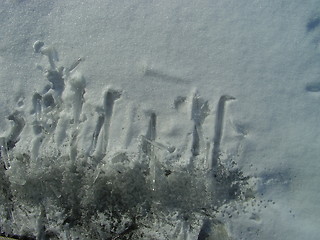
x: 160, y: 119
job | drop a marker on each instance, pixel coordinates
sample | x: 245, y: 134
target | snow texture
x: 159, y: 119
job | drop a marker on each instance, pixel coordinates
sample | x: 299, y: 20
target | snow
x: 144, y: 80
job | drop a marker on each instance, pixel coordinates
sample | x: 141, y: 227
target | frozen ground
x: 161, y: 119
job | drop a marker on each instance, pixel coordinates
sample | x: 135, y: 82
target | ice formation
x: 61, y: 180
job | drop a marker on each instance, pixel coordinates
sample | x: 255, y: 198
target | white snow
x: 157, y: 57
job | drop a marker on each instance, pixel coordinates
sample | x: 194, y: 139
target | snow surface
x: 147, y: 69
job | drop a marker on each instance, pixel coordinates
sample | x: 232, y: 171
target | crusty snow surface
x: 160, y: 119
